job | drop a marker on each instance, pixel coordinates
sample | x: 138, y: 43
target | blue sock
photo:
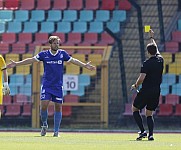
x: 57, y: 121
x: 44, y: 117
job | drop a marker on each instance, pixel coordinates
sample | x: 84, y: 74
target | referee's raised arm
x: 152, y: 40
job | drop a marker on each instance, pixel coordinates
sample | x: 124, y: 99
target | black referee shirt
x: 153, y: 68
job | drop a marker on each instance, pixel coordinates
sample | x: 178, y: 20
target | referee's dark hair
x: 152, y: 49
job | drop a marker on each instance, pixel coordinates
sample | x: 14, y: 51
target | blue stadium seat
x: 84, y: 79
x: 176, y: 88
x: 28, y: 79
x: 2, y: 27
x: 14, y: 27
x: 64, y: 27
x: 25, y: 89
x: 47, y: 27
x: 113, y: 26
x: 80, y: 27
x: 17, y: 79
x: 180, y: 78
x: 80, y: 91
x: 37, y: 15
x: 96, y: 27
x: 119, y: 15
x: 54, y: 15
x: 179, y: 24
x: 6, y: 15
x: 21, y: 15
x: 30, y: 27
x: 164, y: 89
x: 86, y: 15
x: 13, y: 89
x: 102, y: 15
x: 169, y: 79
x: 69, y: 15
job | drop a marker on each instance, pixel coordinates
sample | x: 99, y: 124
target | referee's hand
x: 151, y: 33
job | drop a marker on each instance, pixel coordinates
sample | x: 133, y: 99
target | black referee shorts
x: 148, y: 98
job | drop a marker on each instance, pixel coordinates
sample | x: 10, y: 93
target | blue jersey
x: 53, y: 67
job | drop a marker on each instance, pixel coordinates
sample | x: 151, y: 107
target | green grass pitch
x: 87, y: 141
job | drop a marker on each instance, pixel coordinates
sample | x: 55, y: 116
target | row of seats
x: 163, y: 110
x: 66, y: 15
x: 16, y: 110
x: 64, y: 4
x: 64, y: 27
x: 172, y: 89
x: 22, y: 85
x: 20, y: 107
x: 42, y: 38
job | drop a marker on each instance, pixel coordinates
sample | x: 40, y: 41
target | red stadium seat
x: 43, y: 4
x: 108, y: 5
x: 60, y: 4
x: 66, y: 111
x: 71, y: 98
x: 61, y: 36
x: 7, y: 100
x: 41, y: 38
x: 165, y: 110
x: 13, y: 110
x: 31, y: 47
x: 27, y: 4
x: 11, y: 4
x: 20, y: 99
x: 18, y: 48
x: 8, y: 38
x: 124, y: 5
x: 177, y: 110
x: 74, y: 38
x: 4, y: 47
x: 176, y: 36
x: 106, y: 38
x: 26, y: 110
x: 172, y: 99
x: 91, y: 38
x: 76, y: 5
x: 25, y: 38
x: 91, y: 4
x: 128, y: 110
x: 171, y: 47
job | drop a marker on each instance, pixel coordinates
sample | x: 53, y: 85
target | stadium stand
x: 43, y: 4
x: 60, y: 4
x: 21, y: 16
x: 27, y: 4
x: 165, y: 110
x: 13, y: 110
x: 26, y: 110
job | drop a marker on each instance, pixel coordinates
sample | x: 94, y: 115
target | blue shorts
x: 54, y: 94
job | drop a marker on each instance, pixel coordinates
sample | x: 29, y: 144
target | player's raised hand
x: 89, y: 66
x: 11, y: 64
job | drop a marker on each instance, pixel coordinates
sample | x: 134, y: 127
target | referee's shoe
x: 141, y: 135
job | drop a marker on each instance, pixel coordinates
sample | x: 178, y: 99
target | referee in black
x: 150, y: 77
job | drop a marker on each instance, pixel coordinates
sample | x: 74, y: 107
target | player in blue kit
x: 52, y: 82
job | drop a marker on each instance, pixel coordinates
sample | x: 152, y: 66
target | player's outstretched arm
x: 13, y: 64
x: 81, y: 64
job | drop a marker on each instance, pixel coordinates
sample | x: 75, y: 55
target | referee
x: 150, y: 77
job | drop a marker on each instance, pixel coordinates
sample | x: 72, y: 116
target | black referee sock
x: 150, y: 123
x: 138, y: 120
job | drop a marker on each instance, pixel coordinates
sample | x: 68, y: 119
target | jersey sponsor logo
x: 61, y: 56
x: 54, y: 62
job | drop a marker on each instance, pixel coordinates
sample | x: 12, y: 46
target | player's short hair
x: 53, y: 38
x: 151, y: 48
